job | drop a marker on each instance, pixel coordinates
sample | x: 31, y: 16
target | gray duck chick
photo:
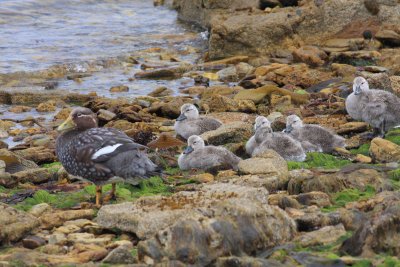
x: 380, y: 109
x: 190, y: 123
x: 100, y: 155
x: 287, y: 147
x: 313, y: 137
x: 199, y: 156
x: 251, y: 143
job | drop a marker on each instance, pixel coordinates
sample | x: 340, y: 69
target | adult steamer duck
x: 100, y: 155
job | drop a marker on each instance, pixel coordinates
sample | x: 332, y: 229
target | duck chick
x: 199, y: 156
x: 313, y: 137
x: 380, y: 109
x: 251, y: 143
x: 100, y: 155
x: 190, y: 123
x: 283, y: 144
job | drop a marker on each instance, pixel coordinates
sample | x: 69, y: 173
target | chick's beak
x: 66, y: 125
x: 288, y: 129
x: 358, y: 90
x: 188, y: 150
x: 182, y: 117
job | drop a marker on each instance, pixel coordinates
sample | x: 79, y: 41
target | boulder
x: 36, y: 176
x: 237, y: 226
x: 15, y: 224
x: 38, y: 154
x: 235, y: 132
x: 268, y: 162
x: 383, y: 150
x: 14, y: 162
x: 148, y: 215
x: 311, y: 55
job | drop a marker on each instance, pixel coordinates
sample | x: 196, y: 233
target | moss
x: 319, y: 160
x: 390, y: 262
x: 134, y: 252
x: 362, y: 263
x: 395, y: 174
x: 172, y: 171
x: 364, y: 150
x: 52, y: 167
x: 2, y: 189
x: 341, y: 198
x: 124, y: 192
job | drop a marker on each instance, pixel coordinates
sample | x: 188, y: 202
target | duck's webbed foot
x: 112, y: 195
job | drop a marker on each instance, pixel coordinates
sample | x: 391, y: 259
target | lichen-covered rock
x: 38, y: 154
x: 324, y: 236
x: 383, y: 150
x: 148, y: 215
x: 15, y: 224
x: 232, y: 227
x: 220, y: 103
x: 36, y: 176
x: 235, y: 132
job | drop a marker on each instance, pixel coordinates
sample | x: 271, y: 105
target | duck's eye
x: 79, y: 115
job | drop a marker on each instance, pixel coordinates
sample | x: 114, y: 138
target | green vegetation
x: 319, y: 160
x: 364, y: 150
x: 53, y: 167
x: 363, y: 263
x: 390, y: 262
x: 125, y: 192
x: 349, y: 195
x: 134, y: 252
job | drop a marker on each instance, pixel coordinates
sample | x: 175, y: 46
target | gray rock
x: 148, y: 215
x: 248, y: 262
x: 33, y: 242
x: 15, y: 224
x: 237, y: 226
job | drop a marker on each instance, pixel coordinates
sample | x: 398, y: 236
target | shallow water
x: 37, y: 34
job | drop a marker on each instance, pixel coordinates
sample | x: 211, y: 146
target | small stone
x: 362, y: 159
x: 33, y: 242
x: 119, y: 88
x: 161, y: 91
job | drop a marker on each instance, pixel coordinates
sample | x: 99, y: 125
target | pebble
x: 33, y: 242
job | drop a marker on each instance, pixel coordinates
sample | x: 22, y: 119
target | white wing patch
x: 105, y: 150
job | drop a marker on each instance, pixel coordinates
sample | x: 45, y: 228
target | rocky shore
x: 271, y: 58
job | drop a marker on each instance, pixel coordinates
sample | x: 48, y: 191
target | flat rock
x: 15, y: 224
x: 237, y: 226
x: 269, y: 162
x: 37, y: 176
x: 148, y: 215
x: 53, y: 219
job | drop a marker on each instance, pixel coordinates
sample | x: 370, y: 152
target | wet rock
x: 36, y: 176
x: 234, y: 227
x: 311, y: 55
x: 119, y: 88
x: 19, y: 109
x: 119, y: 255
x: 383, y: 150
x: 324, y: 236
x: 235, y: 132
x: 219, y: 103
x: 247, y: 262
x: 52, y: 219
x: 161, y: 91
x: 15, y: 224
x: 33, y: 242
x: 379, y: 234
x: 38, y: 154
x: 319, y: 199
x: 148, y: 215
x: 48, y: 106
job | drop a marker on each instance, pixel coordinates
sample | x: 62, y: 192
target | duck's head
x: 293, y: 122
x: 188, y: 111
x: 360, y: 84
x: 80, y: 119
x: 261, y: 121
x: 194, y: 142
